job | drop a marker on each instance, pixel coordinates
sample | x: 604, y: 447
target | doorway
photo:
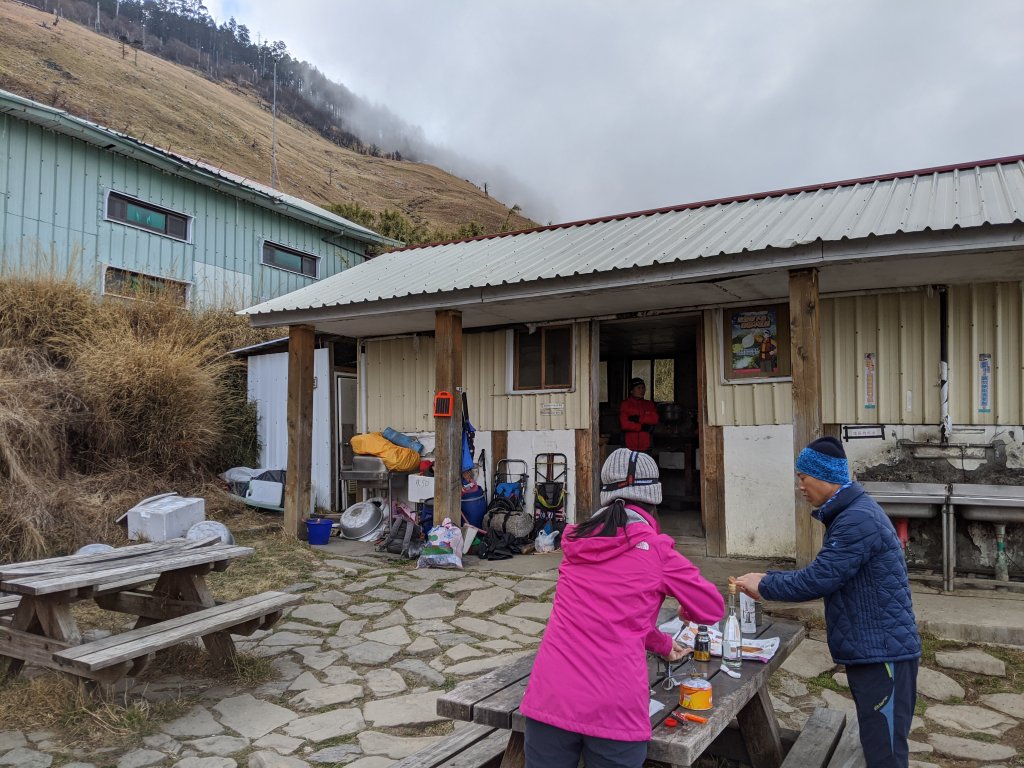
x: 662, y: 351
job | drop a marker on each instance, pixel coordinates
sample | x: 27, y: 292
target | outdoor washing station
x: 999, y: 505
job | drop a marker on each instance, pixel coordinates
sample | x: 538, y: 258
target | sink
x: 912, y: 500
x: 989, y: 503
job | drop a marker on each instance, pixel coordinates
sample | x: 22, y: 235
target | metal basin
x: 362, y: 520
x: 989, y: 503
x: 908, y: 500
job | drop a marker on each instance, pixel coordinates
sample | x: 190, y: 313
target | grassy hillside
x: 72, y: 68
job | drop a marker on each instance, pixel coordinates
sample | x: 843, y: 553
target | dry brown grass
x: 83, y: 718
x: 37, y: 310
x: 173, y: 107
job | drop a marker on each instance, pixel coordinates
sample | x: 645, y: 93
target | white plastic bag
x: 545, y: 542
x: 443, y: 548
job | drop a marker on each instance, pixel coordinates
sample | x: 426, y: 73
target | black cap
x: 829, y: 446
x: 636, y: 383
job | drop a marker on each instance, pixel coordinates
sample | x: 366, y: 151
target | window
x: 136, y: 213
x: 289, y: 259
x: 135, y: 285
x: 756, y: 342
x: 543, y: 359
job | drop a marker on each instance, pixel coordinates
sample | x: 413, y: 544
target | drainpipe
x: 1002, y: 567
x: 947, y: 424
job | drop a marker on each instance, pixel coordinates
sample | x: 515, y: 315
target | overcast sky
x: 604, y: 107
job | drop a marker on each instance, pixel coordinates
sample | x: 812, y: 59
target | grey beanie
x: 616, y: 483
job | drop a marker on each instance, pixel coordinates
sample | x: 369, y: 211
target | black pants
x: 550, y: 747
x: 885, y: 695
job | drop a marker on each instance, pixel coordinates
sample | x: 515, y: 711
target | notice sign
x: 869, y: 380
x: 985, y: 383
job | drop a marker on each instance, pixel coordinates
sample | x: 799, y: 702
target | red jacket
x: 590, y: 674
x: 637, y: 432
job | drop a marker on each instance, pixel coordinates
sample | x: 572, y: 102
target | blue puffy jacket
x: 862, y: 575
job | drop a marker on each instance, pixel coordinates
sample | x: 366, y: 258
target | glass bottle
x: 702, y: 653
x: 732, y: 638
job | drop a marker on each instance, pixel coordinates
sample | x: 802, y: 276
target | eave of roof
x: 110, y: 140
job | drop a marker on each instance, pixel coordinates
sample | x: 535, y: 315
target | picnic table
x: 493, y: 701
x: 162, y: 584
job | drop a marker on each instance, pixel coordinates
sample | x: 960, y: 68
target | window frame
x: 186, y: 287
x: 294, y: 252
x: 137, y: 201
x: 513, y: 356
x: 729, y: 375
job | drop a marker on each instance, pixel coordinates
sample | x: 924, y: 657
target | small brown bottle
x: 702, y: 652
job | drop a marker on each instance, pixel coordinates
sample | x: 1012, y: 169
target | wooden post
x: 297, y: 488
x: 712, y: 460
x: 448, y: 430
x: 805, y: 352
x: 584, y: 500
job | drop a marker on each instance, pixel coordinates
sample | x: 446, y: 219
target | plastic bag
x: 443, y: 548
x: 395, y: 457
x: 545, y: 542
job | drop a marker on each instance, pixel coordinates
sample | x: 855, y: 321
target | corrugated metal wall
x: 53, y: 190
x: 400, y: 385
x: 986, y: 319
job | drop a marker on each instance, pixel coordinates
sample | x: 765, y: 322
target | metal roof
x: 110, y: 140
x: 944, y: 198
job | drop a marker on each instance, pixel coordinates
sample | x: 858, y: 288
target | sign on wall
x: 757, y: 342
x: 870, y: 364
x: 985, y: 382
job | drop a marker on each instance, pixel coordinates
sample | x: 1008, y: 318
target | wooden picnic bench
x: 492, y: 701
x: 40, y: 627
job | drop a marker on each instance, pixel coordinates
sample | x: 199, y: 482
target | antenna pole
x: 273, y: 134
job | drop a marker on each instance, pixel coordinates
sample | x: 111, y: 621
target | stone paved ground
x: 360, y: 666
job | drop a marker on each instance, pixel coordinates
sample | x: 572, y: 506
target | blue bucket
x: 318, y: 530
x: 474, y: 504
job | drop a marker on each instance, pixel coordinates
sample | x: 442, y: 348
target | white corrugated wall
x: 400, y: 385
x: 268, y: 388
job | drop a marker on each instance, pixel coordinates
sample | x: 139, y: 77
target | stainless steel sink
x: 913, y: 500
x: 989, y: 503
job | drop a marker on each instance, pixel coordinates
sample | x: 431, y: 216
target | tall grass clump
x: 106, y: 402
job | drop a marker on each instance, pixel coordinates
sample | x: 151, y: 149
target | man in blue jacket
x: 861, y: 573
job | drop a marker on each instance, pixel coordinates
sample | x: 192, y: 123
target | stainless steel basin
x: 915, y: 500
x: 989, y: 503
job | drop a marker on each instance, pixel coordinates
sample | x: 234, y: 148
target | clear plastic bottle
x: 732, y: 638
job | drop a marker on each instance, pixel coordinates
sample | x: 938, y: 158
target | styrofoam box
x: 168, y: 517
x: 421, y: 487
x: 265, y: 492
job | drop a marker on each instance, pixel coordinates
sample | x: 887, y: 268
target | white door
x: 345, y: 387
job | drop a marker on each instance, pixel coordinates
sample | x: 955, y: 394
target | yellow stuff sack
x: 395, y: 457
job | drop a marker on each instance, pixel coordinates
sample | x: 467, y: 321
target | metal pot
x: 363, y: 520
x: 671, y: 413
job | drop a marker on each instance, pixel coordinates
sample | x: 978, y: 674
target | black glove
x: 634, y: 419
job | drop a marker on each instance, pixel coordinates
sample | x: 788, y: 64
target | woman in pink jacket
x: 588, y: 693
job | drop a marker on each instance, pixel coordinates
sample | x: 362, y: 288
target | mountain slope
x: 72, y: 68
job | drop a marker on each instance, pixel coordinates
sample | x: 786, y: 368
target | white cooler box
x: 163, y: 517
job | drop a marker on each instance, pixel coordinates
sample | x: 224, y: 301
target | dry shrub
x: 39, y: 311
x: 152, y: 399
x: 35, y: 413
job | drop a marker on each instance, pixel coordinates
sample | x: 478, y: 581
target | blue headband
x: 831, y: 469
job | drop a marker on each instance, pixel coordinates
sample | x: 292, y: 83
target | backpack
x: 495, y: 545
x: 503, y: 516
x: 405, y: 538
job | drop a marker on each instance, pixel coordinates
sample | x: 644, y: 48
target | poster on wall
x: 870, y: 364
x: 755, y: 346
x: 985, y: 383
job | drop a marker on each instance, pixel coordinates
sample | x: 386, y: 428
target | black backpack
x: 496, y: 545
x: 405, y: 538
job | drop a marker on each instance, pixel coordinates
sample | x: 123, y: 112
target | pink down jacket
x: 590, y: 675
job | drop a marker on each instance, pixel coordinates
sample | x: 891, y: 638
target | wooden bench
x: 817, y: 741
x: 9, y: 604
x: 473, y: 746
x: 129, y: 652
x: 849, y: 753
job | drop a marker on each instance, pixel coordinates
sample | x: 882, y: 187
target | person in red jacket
x: 637, y: 417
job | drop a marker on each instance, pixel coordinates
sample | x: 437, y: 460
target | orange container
x: 695, y: 693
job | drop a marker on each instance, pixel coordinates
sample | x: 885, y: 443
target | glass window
x: 135, y: 285
x: 146, y: 216
x: 289, y: 259
x: 543, y: 359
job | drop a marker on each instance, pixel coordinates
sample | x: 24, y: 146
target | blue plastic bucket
x: 427, y: 516
x: 319, y: 530
x: 474, y: 504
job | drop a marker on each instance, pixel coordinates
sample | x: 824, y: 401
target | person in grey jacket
x: 862, y: 576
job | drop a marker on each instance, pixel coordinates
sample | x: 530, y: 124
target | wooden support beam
x: 297, y: 488
x: 448, y: 430
x: 712, y: 460
x: 583, y: 512
x: 805, y: 352
x: 584, y: 475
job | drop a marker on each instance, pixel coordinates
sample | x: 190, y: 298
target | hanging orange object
x: 443, y: 402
